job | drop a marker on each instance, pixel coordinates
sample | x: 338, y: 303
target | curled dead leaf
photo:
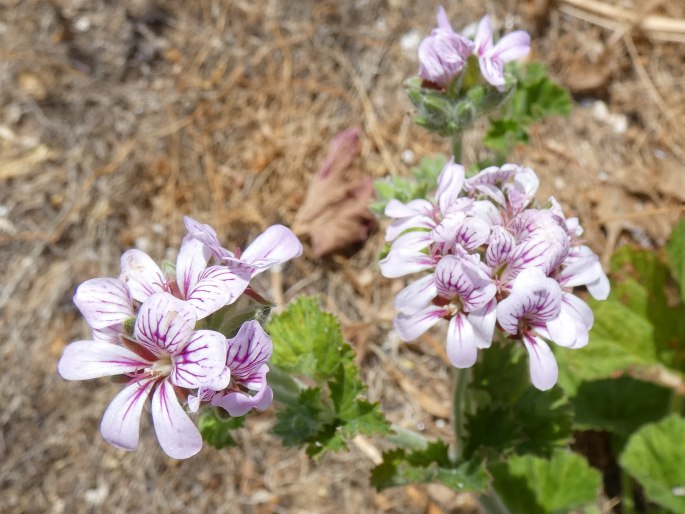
x: 335, y: 211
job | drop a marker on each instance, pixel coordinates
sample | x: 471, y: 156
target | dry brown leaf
x: 335, y: 212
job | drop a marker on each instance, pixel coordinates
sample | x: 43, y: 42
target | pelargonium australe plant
x: 150, y: 327
x: 495, y: 260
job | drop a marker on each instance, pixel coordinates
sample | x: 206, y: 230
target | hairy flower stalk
x: 148, y: 327
x: 494, y: 261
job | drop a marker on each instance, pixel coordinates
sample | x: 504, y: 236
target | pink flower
x: 492, y: 58
x: 442, y: 55
x: 164, y: 356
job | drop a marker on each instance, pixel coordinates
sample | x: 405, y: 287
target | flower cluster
x: 444, y: 53
x: 495, y: 259
x: 148, y: 327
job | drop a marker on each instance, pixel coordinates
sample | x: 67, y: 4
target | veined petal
x: 207, y: 235
x: 411, y: 326
x: 215, y: 287
x: 500, y: 246
x: 276, y: 245
x: 397, y: 227
x: 512, y: 46
x: 191, y: 261
x: 600, y: 288
x: 450, y: 183
x: 483, y: 323
x: 461, y: 342
x: 483, y: 38
x: 238, y: 403
x: 416, y: 295
x: 83, y: 360
x: 165, y: 323
x: 397, y: 209
x: 142, y: 275
x: 120, y: 424
x: 248, y: 350
x: 459, y: 277
x: 492, y: 71
x: 543, y: 365
x: 202, y: 360
x: 177, y: 434
x: 402, y: 262
x: 442, y: 20
x: 571, y: 327
x: 104, y: 302
x: 534, y: 297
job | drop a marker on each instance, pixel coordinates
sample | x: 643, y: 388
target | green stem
x: 459, y: 407
x: 491, y: 503
x: 407, y: 439
x: 627, y: 502
x: 456, y: 146
x: 286, y: 389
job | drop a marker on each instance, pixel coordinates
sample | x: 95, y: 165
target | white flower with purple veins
x: 276, y: 245
x: 165, y: 355
x: 443, y: 54
x: 534, y: 311
x: 462, y: 292
x: 205, y: 288
x: 248, y: 353
x: 493, y: 57
x: 491, y: 254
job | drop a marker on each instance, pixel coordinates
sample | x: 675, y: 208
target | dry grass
x: 118, y: 118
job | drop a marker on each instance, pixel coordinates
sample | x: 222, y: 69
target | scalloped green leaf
x: 619, y: 406
x: 429, y: 465
x: 533, y: 485
x: 654, y: 456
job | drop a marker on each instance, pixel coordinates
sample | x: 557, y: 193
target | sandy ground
x: 118, y: 118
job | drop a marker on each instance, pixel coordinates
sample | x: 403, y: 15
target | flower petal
x: 202, y: 360
x: 512, y: 46
x: 191, y: 261
x: 248, y: 350
x: 239, y: 403
x: 142, y: 275
x: 120, y: 424
x: 104, y: 302
x: 500, y: 246
x: 483, y: 322
x: 483, y: 38
x: 207, y: 235
x: 397, y: 209
x: 411, y: 326
x: 543, y: 365
x: 276, y: 245
x: 83, y: 360
x: 450, y: 183
x: 534, y: 297
x: 571, y: 327
x: 164, y: 323
x: 416, y: 295
x: 215, y: 287
x: 177, y: 434
x: 461, y: 342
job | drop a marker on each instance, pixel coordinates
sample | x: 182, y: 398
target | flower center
x: 162, y: 366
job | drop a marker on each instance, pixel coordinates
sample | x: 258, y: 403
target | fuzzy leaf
x: 533, y: 485
x: 512, y: 416
x: 216, y: 430
x: 308, y: 341
x: 620, y: 406
x: 654, y: 456
x: 429, y: 465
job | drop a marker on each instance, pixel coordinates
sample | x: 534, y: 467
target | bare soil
x: 117, y: 118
